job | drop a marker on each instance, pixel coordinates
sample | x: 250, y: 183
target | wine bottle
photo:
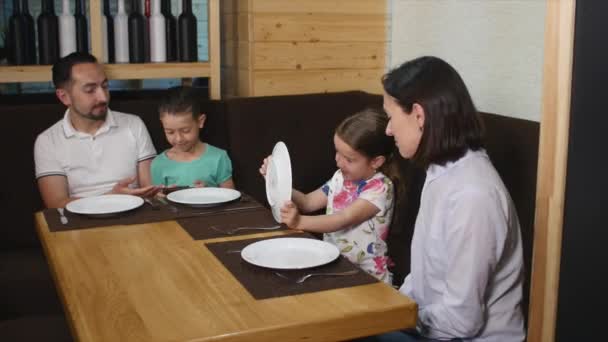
x: 109, y: 24
x: 48, y: 34
x: 67, y: 30
x: 82, y: 30
x: 170, y: 31
x: 188, y: 49
x: 30, y: 33
x: 137, y: 25
x: 146, y: 12
x: 158, y: 48
x: 104, y: 39
x: 121, y: 34
x: 16, y: 38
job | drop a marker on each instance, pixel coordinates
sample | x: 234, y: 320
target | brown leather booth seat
x: 47, y: 328
x: 305, y: 123
x: 513, y: 147
x: 247, y: 128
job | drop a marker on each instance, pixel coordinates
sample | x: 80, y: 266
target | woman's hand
x: 199, y: 184
x: 290, y: 215
x: 264, y: 166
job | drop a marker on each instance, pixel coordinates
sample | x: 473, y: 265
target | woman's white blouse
x: 466, y: 257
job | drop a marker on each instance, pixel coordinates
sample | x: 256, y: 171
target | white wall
x: 496, y: 46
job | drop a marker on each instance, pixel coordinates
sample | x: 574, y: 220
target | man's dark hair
x: 452, y: 124
x: 179, y: 100
x: 62, y: 69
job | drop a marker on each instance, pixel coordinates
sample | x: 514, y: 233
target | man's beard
x: 100, y: 117
x: 95, y: 117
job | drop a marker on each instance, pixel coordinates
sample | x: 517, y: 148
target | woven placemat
x: 148, y: 213
x: 263, y: 283
x: 200, y: 228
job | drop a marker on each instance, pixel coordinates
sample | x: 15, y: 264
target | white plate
x: 290, y: 253
x: 278, y: 179
x: 203, y: 197
x: 104, y: 205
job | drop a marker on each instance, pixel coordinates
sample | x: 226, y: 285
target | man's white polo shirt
x: 94, y: 163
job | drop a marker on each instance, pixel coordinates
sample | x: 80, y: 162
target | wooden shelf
x: 23, y: 73
x: 42, y: 73
x: 157, y: 70
x: 211, y: 69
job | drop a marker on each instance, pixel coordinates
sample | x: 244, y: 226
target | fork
x: 62, y: 218
x: 235, y: 230
x: 152, y: 204
x: 332, y: 274
x: 171, y: 207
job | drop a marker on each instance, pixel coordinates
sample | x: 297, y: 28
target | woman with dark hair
x: 466, y: 256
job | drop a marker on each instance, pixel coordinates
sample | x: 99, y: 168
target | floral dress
x: 365, y: 243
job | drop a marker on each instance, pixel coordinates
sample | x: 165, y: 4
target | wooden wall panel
x: 319, y: 27
x: 228, y: 82
x: 235, y: 82
x: 236, y: 54
x: 320, y: 6
x: 235, y: 47
x: 235, y: 6
x: 243, y: 27
x: 552, y: 170
x: 303, y: 46
x: 228, y: 27
x: 307, y: 56
x: 317, y: 81
x: 235, y: 26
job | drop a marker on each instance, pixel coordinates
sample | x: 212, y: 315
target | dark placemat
x: 199, y: 228
x: 263, y: 283
x: 148, y: 213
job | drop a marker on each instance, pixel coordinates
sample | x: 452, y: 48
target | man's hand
x: 122, y: 187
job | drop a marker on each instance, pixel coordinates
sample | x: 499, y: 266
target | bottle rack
x: 186, y: 70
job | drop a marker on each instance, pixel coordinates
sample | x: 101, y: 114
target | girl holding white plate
x: 359, y: 197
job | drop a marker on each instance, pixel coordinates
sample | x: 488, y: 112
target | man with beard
x: 92, y: 150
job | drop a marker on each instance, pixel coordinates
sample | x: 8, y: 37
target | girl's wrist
x: 299, y: 224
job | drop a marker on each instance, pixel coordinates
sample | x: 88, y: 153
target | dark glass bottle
x: 186, y: 25
x: 170, y: 31
x: 147, y: 30
x: 30, y: 33
x: 110, y: 30
x: 137, y: 27
x: 82, y: 31
x: 48, y: 34
x: 15, y: 39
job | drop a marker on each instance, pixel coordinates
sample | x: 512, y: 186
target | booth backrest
x: 19, y: 196
x: 512, y: 145
x: 305, y: 123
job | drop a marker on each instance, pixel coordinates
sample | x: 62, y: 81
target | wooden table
x: 152, y: 282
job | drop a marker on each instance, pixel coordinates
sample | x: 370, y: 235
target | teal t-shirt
x: 213, y: 167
